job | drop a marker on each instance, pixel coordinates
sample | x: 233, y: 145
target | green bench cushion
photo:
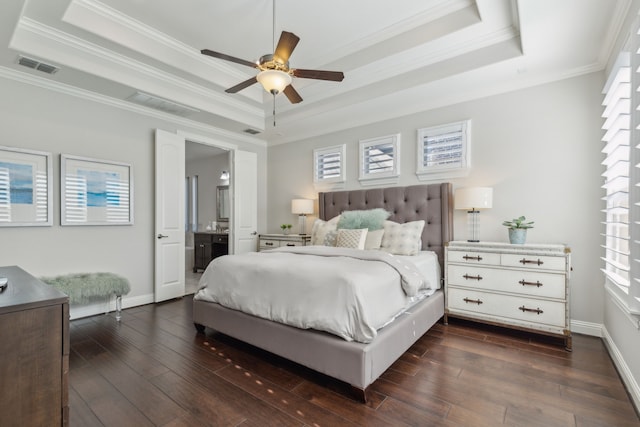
x: 82, y: 288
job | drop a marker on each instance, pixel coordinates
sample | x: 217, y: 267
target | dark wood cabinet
x: 34, y: 349
x: 207, y: 247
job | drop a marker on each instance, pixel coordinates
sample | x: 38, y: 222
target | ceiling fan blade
x: 228, y: 58
x: 286, y: 44
x: 292, y: 95
x: 336, y: 76
x: 240, y: 86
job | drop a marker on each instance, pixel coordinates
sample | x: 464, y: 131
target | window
x: 443, y: 151
x: 621, y: 179
x: 380, y: 160
x: 328, y: 165
x: 191, y: 203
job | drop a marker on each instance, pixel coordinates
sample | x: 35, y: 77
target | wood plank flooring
x: 153, y: 369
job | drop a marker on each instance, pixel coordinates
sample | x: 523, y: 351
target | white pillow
x: 324, y: 232
x: 402, y: 239
x: 352, y: 238
x: 374, y: 239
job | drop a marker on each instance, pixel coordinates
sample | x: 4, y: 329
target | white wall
x: 41, y: 119
x: 538, y: 148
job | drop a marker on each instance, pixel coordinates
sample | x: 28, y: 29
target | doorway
x: 207, y: 170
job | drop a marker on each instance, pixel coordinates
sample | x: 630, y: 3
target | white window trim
x: 335, y: 183
x: 628, y: 299
x: 426, y: 173
x: 391, y: 177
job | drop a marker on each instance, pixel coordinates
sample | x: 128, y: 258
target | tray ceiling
x: 398, y: 57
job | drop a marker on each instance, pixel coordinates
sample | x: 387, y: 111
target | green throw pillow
x: 372, y: 219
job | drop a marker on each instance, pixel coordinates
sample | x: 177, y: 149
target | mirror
x: 222, y: 203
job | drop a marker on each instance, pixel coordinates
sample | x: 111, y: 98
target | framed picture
x: 25, y: 188
x: 95, y: 192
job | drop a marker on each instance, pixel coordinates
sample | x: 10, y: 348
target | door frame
x: 231, y: 148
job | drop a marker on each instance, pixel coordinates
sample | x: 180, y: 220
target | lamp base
x: 302, y: 224
x: 473, y: 218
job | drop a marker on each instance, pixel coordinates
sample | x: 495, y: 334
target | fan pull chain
x: 274, y: 109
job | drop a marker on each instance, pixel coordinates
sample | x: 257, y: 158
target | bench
x: 83, y: 288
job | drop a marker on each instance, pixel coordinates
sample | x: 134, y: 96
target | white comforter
x: 347, y: 292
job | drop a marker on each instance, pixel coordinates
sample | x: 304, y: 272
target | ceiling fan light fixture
x: 274, y: 81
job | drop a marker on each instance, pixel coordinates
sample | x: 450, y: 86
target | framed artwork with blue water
x: 25, y: 187
x: 95, y: 192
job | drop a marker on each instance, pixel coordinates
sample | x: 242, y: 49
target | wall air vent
x: 251, y: 131
x: 37, y: 65
x: 161, y: 104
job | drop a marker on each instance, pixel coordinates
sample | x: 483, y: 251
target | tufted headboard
x: 431, y: 202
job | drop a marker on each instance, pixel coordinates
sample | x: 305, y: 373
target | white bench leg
x: 118, y: 307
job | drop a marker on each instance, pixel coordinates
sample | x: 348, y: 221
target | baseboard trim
x: 80, y: 311
x: 586, y: 328
x: 623, y: 369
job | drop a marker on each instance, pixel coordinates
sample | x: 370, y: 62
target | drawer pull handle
x: 525, y: 283
x: 478, y: 277
x: 475, y: 301
x: 476, y: 258
x: 531, y: 310
x: 268, y: 244
x: 291, y: 244
x: 525, y: 261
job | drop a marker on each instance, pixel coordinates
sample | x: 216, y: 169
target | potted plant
x: 518, y: 229
x: 286, y: 228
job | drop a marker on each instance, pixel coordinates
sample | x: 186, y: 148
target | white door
x: 169, y: 229
x: 245, y: 202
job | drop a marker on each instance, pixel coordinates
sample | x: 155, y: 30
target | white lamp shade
x: 302, y: 206
x: 474, y: 198
x: 274, y: 80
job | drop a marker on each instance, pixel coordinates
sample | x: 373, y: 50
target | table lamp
x: 473, y: 199
x: 302, y: 207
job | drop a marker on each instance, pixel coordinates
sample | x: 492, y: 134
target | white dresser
x: 519, y: 286
x: 270, y: 241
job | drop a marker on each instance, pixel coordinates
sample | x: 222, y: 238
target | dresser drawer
x: 269, y: 244
x: 534, y: 311
x: 474, y: 257
x: 534, y: 262
x: 531, y: 283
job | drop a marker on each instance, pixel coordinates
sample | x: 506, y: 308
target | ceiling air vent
x: 162, y: 104
x: 251, y: 131
x: 37, y: 65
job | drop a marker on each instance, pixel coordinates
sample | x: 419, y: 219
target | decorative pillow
x: 372, y: 219
x: 374, y: 239
x: 321, y: 229
x: 348, y: 238
x: 402, y: 239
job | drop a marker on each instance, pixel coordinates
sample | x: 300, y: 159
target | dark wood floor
x: 154, y: 369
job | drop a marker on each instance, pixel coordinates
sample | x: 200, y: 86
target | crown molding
x: 46, y: 42
x: 65, y: 89
x: 110, y: 24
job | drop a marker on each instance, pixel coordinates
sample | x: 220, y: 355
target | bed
x: 356, y: 363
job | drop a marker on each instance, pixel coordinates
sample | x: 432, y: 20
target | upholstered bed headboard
x: 431, y: 202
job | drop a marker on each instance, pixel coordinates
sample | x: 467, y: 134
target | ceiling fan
x: 275, y: 74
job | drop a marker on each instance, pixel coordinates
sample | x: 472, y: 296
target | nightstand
x: 519, y: 286
x: 270, y: 241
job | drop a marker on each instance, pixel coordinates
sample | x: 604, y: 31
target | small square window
x: 328, y: 165
x: 443, y: 151
x: 380, y: 160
